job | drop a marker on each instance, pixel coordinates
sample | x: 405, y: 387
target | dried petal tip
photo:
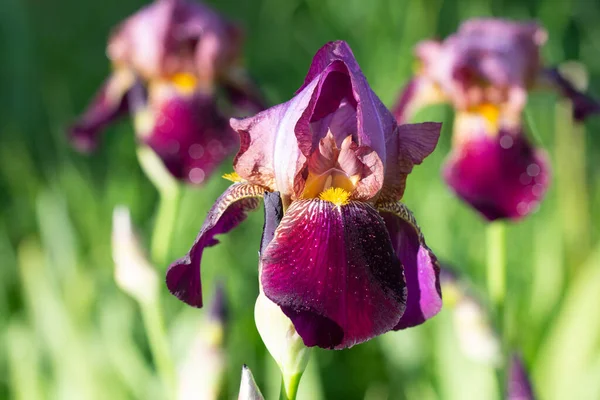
x: 249, y: 390
x: 518, y: 385
x: 133, y: 272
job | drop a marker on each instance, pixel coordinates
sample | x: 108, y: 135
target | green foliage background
x: 69, y: 333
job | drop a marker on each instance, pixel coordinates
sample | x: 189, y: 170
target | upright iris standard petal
x: 421, y: 268
x: 332, y: 270
x: 109, y: 104
x: 583, y: 105
x: 334, y: 99
x: 183, y: 276
x: 191, y: 136
x: 419, y: 92
x: 502, y: 175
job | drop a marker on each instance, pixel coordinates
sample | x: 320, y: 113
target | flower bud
x: 248, y: 388
x: 133, y: 272
x: 282, y: 341
x: 201, y: 374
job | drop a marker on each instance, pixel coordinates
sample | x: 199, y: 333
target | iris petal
x: 183, y: 276
x: 191, y: 136
x: 333, y: 271
x: 583, y: 105
x: 501, y: 176
x: 421, y: 267
x: 109, y: 104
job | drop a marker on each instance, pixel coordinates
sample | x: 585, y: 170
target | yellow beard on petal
x: 184, y: 82
x: 233, y: 177
x: 491, y: 114
x: 336, y: 195
x: 318, y: 184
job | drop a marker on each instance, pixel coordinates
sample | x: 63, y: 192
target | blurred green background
x: 68, y: 332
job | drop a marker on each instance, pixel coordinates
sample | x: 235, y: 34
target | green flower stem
x: 159, y: 345
x: 164, y: 226
x: 289, y: 389
x: 496, y: 280
x: 168, y: 208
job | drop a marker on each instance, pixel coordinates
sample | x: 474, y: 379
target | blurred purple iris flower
x: 485, y: 71
x: 344, y: 259
x: 171, y: 61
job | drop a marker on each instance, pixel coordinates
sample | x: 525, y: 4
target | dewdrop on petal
x: 283, y: 342
x: 249, y: 390
x: 133, y: 272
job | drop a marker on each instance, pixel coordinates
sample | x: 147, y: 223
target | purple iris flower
x: 485, y: 71
x: 341, y: 256
x: 171, y: 60
x: 519, y: 385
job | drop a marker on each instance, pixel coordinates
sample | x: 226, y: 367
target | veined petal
x: 414, y: 143
x: 421, y: 268
x: 500, y: 175
x: 418, y: 93
x: 583, y: 105
x: 333, y: 272
x: 109, y: 104
x: 335, y: 98
x: 190, y: 135
x: 183, y: 276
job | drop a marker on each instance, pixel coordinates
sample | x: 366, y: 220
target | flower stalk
x: 496, y: 279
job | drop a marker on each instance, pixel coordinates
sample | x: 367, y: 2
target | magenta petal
x: 501, y: 177
x: 108, y: 105
x: 183, y: 276
x: 421, y: 268
x: 191, y: 137
x: 583, y: 105
x: 333, y: 272
x: 519, y: 385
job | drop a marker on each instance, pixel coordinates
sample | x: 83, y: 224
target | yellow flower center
x: 491, y: 113
x: 185, y: 82
x: 335, y: 195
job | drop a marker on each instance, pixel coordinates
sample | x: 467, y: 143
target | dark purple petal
x: 421, y: 268
x: 501, y: 176
x: 333, y: 272
x: 519, y: 386
x: 244, y: 95
x: 191, y: 137
x: 273, y: 216
x: 183, y: 276
x: 109, y: 104
x: 583, y: 105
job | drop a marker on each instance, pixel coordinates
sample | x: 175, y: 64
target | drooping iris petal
x: 109, y: 104
x: 583, y: 105
x: 191, y: 136
x: 502, y: 176
x: 519, y: 385
x: 333, y: 272
x: 183, y: 276
x: 421, y: 268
